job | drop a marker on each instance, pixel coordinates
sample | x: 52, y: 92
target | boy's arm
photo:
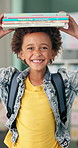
x: 3, y: 32
x: 72, y: 28
x: 5, y: 73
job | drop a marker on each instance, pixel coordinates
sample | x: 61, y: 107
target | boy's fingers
x: 0, y: 25
x: 3, y: 32
x: 8, y: 31
x: 63, y: 29
x: 1, y: 17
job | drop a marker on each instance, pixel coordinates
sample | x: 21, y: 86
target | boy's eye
x: 29, y: 48
x: 44, y: 47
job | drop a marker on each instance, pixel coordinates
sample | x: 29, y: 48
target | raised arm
x: 72, y: 28
x: 3, y: 32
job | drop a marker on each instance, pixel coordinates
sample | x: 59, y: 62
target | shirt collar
x: 22, y: 76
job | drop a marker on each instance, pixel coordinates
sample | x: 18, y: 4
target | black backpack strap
x: 58, y: 83
x: 12, y: 94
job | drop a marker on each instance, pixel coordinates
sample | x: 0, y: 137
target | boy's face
x: 37, y: 50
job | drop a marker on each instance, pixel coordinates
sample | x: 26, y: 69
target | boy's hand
x: 3, y: 32
x: 72, y: 28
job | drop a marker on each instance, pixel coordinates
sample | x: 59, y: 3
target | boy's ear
x: 21, y: 55
x: 54, y: 53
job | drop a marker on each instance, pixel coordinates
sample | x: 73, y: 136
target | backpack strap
x: 58, y: 83
x: 12, y: 94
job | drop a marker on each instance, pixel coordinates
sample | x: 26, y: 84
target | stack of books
x: 18, y: 20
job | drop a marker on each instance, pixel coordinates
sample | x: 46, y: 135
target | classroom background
x: 68, y: 58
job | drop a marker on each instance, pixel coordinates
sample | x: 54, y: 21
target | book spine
x: 25, y: 17
x: 26, y: 22
x: 35, y: 19
x: 33, y: 25
x: 34, y: 14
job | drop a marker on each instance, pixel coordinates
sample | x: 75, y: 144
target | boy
x: 38, y: 123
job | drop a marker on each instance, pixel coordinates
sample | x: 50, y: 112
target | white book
x: 12, y: 26
x: 33, y: 14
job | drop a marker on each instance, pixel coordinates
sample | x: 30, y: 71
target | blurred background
x: 68, y: 58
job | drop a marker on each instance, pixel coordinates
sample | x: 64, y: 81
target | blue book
x: 34, y: 19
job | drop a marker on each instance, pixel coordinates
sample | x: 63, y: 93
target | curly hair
x: 19, y: 34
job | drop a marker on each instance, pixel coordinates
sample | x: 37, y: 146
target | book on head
x: 18, y: 20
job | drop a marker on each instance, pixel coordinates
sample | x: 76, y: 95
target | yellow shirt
x: 35, y: 121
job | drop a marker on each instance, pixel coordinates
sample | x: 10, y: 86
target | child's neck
x: 36, y: 77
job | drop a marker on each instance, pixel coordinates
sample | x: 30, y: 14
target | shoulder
x: 6, y: 73
x: 5, y: 79
x: 69, y: 75
x: 70, y: 78
x: 8, y: 69
x: 65, y: 76
x: 63, y: 73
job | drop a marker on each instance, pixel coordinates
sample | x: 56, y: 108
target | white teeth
x: 37, y: 61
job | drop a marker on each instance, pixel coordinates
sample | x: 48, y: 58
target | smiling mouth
x: 37, y: 61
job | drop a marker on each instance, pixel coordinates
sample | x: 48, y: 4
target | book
x: 17, y: 20
x: 11, y: 26
x: 33, y: 14
x: 33, y: 19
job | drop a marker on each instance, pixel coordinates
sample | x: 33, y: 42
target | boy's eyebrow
x: 29, y: 45
x: 45, y: 44
x: 40, y: 44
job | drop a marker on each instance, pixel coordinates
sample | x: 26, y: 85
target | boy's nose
x: 37, y: 52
